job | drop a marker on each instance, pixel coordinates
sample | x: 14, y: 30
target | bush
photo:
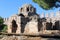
x: 1, y: 20
x: 4, y: 28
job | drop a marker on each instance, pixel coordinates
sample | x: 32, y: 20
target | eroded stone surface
x: 26, y: 38
x: 28, y: 21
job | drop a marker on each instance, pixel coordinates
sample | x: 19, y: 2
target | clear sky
x: 10, y: 7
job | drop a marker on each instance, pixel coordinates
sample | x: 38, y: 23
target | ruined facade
x: 52, y: 21
x: 28, y: 21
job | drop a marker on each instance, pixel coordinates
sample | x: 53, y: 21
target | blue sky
x: 10, y: 7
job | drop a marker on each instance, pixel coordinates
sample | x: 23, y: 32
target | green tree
x: 3, y: 27
x: 47, y: 4
x: 1, y: 21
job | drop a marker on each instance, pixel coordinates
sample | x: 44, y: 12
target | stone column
x: 44, y: 26
x: 31, y: 27
x: 18, y: 28
x: 9, y: 28
x: 19, y: 25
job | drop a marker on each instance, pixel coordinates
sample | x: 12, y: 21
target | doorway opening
x: 14, y: 26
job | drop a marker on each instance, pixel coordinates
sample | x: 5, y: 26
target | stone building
x: 53, y: 21
x: 28, y: 21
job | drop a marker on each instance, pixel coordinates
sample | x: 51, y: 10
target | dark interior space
x: 21, y: 15
x: 27, y: 9
x: 49, y: 26
x: 14, y: 26
x: 57, y: 25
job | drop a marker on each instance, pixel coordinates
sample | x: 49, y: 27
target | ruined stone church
x: 28, y: 21
x: 25, y: 21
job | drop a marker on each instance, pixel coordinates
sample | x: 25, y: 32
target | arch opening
x: 14, y: 26
x: 57, y: 25
x: 27, y: 9
x: 21, y: 15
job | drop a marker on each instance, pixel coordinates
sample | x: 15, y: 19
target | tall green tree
x: 47, y: 4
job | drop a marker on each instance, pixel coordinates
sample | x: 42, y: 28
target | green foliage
x: 4, y: 29
x: 1, y: 20
x: 46, y: 4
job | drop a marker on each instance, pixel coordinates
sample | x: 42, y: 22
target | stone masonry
x: 28, y: 21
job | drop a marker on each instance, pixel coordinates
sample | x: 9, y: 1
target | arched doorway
x: 49, y: 26
x: 14, y: 26
x: 57, y: 25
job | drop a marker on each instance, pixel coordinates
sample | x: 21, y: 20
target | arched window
x: 21, y: 9
x: 28, y: 9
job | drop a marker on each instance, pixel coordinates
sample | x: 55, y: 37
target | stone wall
x: 28, y: 21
